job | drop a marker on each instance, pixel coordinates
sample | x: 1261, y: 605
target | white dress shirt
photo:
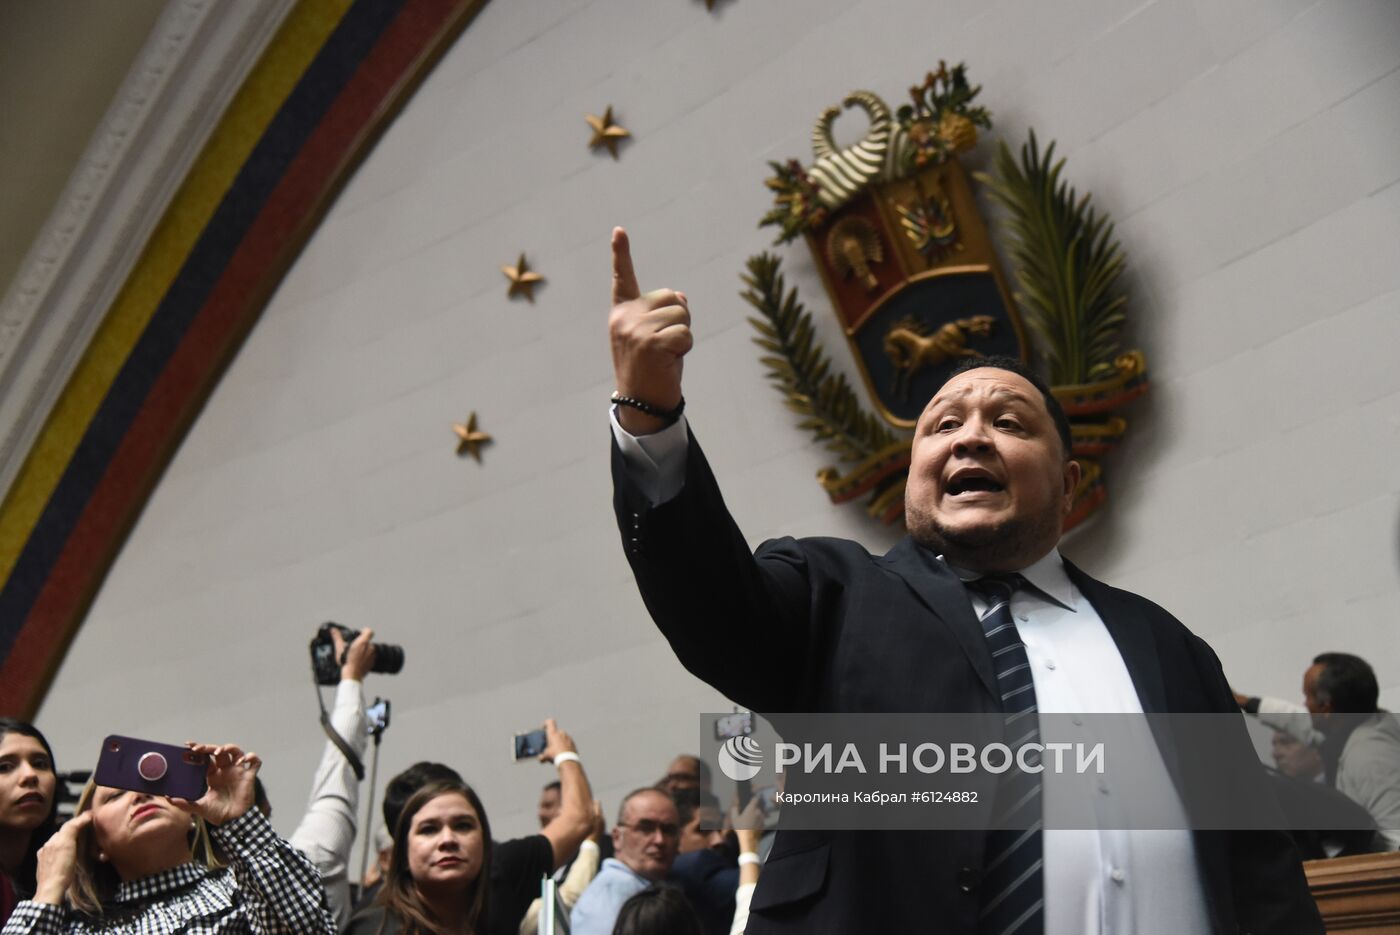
x: 1108, y: 881
x: 1100, y: 881
x: 326, y: 832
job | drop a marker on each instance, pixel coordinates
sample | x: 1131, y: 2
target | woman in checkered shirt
x: 129, y: 863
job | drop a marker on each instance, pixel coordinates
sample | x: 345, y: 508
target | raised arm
x: 326, y: 832
x: 280, y: 887
x: 575, y: 819
x: 736, y: 619
x: 650, y: 337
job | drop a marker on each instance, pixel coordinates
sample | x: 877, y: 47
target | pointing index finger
x: 624, y: 279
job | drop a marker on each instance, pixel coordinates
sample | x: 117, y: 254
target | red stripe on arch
x: 382, y: 83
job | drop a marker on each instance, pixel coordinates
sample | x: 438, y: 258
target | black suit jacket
x: 825, y: 626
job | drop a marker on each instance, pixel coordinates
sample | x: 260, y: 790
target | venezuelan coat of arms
x: 908, y: 261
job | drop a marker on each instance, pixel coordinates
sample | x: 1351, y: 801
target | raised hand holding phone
x: 650, y: 334
x: 557, y: 742
x: 231, y: 777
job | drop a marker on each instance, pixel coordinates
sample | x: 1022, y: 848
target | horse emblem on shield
x: 908, y: 262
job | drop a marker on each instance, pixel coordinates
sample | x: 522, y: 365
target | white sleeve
x: 584, y: 869
x: 656, y: 462
x: 327, y: 830
x: 742, y: 896
x: 1290, y: 718
x: 1368, y: 775
x: 581, y: 873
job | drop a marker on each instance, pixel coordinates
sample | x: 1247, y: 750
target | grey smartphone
x: 529, y: 744
x: 738, y: 724
x: 147, y: 766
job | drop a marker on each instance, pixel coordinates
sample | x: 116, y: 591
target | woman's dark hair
x: 24, y: 874
x: 399, y: 894
x: 401, y: 788
x: 658, y: 910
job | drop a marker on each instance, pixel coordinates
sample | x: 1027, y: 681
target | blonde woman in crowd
x: 130, y: 863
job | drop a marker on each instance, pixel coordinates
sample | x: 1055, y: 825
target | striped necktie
x: 1013, y: 885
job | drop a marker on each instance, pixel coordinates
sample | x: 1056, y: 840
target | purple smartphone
x: 146, y: 766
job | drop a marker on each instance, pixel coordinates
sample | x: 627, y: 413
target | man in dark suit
x: 975, y: 611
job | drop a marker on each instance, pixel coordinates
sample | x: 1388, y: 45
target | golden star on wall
x: 523, y: 280
x: 605, y: 131
x: 471, y: 437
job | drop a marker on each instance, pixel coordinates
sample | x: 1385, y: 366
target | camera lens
x: 388, y: 658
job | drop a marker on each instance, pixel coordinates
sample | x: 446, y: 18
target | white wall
x: 1247, y: 151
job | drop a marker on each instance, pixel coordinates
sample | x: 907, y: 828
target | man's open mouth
x: 971, y: 483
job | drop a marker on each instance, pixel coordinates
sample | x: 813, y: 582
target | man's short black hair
x: 402, y: 787
x: 1348, y: 682
x: 556, y: 785
x: 1022, y: 370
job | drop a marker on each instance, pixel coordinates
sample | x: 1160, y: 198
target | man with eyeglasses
x: 645, y: 839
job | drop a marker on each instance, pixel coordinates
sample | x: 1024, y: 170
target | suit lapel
x: 1132, y: 632
x: 943, y: 594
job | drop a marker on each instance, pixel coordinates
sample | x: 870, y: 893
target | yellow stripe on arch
x: 286, y: 58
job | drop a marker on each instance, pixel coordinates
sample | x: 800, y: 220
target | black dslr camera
x: 388, y: 658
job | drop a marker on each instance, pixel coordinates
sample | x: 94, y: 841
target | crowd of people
x: 134, y: 862
x: 674, y: 861
x: 1337, y: 754
x: 976, y: 612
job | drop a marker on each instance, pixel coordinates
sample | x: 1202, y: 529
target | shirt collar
x: 159, y: 883
x: 1048, y: 575
x: 616, y: 864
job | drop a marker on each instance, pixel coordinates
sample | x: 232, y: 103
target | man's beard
x: 985, y: 548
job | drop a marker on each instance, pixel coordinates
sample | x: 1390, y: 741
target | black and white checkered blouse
x: 269, y: 886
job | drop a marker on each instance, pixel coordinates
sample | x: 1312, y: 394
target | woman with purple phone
x: 132, y: 862
x: 28, y: 807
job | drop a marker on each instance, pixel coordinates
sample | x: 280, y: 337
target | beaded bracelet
x: 670, y: 415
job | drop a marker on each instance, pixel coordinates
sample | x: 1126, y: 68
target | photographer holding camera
x: 326, y: 833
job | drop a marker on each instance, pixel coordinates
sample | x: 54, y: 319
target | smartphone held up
x: 530, y: 744
x: 150, y: 767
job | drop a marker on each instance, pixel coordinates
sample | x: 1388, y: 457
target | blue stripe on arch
x: 349, y: 43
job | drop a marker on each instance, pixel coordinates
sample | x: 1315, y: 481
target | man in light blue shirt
x: 645, y: 840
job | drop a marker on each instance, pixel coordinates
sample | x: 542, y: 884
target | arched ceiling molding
x: 327, y: 84
x: 196, y: 58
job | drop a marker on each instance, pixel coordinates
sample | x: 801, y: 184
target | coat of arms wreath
x: 911, y: 270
